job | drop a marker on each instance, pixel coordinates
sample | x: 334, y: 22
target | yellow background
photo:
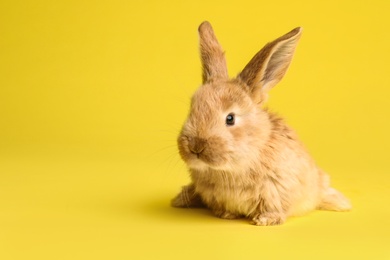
x: 93, y: 94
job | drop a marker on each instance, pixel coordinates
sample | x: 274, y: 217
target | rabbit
x: 245, y: 161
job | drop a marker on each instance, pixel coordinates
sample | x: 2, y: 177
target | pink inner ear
x: 270, y: 64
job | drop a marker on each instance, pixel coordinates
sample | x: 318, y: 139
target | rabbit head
x: 227, y: 126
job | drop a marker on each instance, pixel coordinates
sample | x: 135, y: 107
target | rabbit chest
x: 225, y: 191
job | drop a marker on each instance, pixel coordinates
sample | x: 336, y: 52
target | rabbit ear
x: 270, y: 64
x: 212, y: 55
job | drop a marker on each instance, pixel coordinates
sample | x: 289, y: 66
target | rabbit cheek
x: 216, y: 154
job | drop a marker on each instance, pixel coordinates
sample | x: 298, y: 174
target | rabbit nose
x: 196, y: 145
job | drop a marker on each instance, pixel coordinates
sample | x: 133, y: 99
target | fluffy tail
x: 331, y: 198
x: 334, y: 200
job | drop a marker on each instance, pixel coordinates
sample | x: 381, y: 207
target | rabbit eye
x: 230, y: 120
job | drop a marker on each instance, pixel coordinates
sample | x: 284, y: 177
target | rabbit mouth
x: 197, y: 158
x: 202, y: 164
x: 205, y: 160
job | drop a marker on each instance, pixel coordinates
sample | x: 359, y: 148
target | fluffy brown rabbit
x: 244, y: 161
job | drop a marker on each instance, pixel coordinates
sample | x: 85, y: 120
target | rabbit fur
x: 256, y: 168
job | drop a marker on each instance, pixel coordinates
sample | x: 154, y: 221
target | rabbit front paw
x: 187, y: 198
x: 268, y: 219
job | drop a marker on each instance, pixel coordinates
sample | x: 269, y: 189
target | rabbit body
x: 244, y: 161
